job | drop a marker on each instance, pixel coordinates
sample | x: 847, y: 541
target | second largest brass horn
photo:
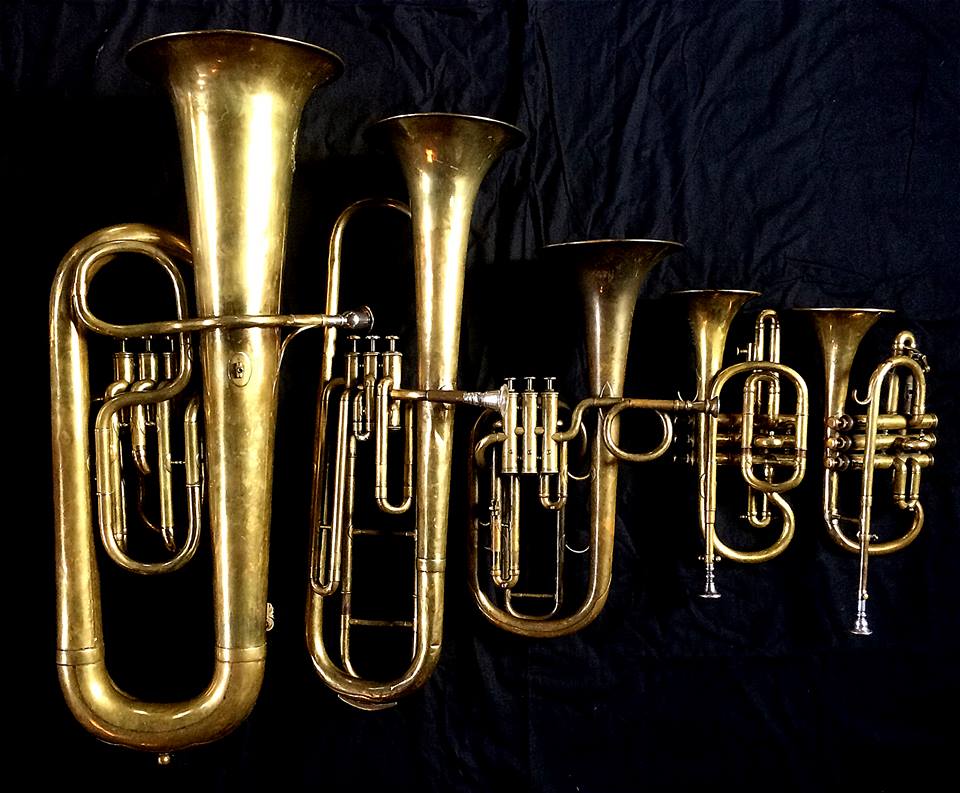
x: 444, y: 158
x: 238, y: 99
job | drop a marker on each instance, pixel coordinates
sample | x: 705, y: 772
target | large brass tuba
x: 238, y: 99
x: 523, y: 440
x: 768, y: 445
x: 894, y: 432
x: 444, y: 158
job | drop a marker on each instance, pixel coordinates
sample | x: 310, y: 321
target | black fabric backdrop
x: 805, y: 150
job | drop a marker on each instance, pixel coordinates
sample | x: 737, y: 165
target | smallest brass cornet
x: 894, y: 433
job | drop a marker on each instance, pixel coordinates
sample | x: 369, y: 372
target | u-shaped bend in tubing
x: 428, y: 623
x: 831, y: 515
x: 604, y: 468
x: 92, y: 261
x: 772, y: 489
x: 92, y: 696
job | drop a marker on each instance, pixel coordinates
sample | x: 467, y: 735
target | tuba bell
x: 238, y: 99
x: 767, y: 445
x: 444, y: 158
x: 894, y: 432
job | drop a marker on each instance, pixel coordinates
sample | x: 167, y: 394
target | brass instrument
x: 444, y: 158
x: 523, y: 439
x: 761, y: 440
x: 238, y: 99
x: 894, y: 433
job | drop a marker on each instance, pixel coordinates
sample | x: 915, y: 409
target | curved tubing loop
x: 615, y: 405
x: 834, y: 519
x: 331, y: 533
x: 94, y: 699
x: 916, y: 408
x: 327, y: 527
x: 334, y: 259
x: 327, y: 520
x: 192, y: 464
x: 636, y: 457
x: 605, y: 453
x: 367, y: 695
x: 547, y: 626
x: 603, y: 468
x: 756, y: 371
x: 382, y: 434
x: 832, y: 516
x: 361, y: 319
x: 556, y: 498
x: 109, y: 465
x: 320, y: 518
x: 352, y: 689
x: 504, y: 568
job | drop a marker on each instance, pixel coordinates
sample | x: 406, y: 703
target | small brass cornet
x: 894, y: 432
x: 767, y: 444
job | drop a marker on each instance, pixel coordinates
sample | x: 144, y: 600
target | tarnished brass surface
x: 444, y: 158
x: 895, y: 422
x: 238, y: 99
x: 762, y: 435
x: 609, y: 274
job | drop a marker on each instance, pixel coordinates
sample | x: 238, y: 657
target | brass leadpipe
x: 444, y: 158
x: 889, y: 435
x: 238, y: 99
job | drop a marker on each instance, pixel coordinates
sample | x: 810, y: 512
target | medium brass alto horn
x: 444, y: 159
x: 894, y: 433
x: 761, y: 440
x: 238, y: 99
x: 523, y: 437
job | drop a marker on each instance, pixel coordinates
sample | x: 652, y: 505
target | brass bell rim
x: 843, y: 310
x: 514, y: 135
x: 141, y: 50
x: 554, y: 246
x: 749, y: 292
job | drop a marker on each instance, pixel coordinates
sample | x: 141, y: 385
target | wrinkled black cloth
x: 808, y: 151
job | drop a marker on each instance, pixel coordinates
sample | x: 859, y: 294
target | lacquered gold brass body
x: 895, y: 433
x: 524, y: 437
x: 238, y: 99
x: 768, y: 446
x: 444, y: 158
